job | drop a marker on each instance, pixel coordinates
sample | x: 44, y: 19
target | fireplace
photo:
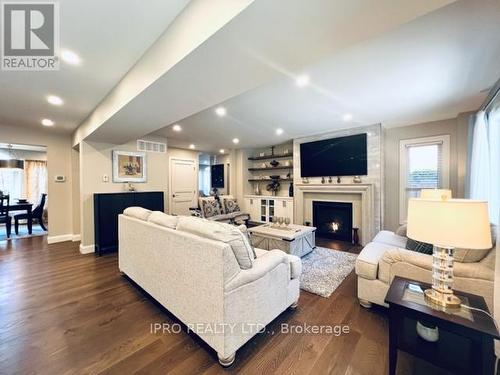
x: 333, y: 220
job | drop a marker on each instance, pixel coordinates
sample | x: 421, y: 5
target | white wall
x: 95, y: 162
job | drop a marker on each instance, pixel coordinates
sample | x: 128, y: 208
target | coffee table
x: 294, y: 239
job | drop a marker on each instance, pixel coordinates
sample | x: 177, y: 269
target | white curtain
x: 35, y: 180
x: 484, y: 176
x: 11, y: 183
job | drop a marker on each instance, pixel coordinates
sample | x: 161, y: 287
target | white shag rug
x: 323, y: 270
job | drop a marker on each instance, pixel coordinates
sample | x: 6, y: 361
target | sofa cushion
x: 243, y: 228
x: 161, y: 218
x: 217, y: 231
x: 390, y: 238
x: 137, y: 212
x: 472, y: 256
x: 367, y: 261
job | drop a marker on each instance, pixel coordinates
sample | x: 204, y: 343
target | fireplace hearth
x: 333, y: 220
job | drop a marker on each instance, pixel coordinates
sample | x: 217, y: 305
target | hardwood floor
x: 62, y: 312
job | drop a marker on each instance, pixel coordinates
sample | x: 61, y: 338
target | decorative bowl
x: 275, y: 177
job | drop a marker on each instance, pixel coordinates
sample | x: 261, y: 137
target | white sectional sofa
x: 386, y: 257
x: 207, y: 283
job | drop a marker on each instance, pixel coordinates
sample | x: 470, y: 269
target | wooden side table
x: 466, y: 336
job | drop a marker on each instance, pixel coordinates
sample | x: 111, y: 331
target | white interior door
x: 183, y: 185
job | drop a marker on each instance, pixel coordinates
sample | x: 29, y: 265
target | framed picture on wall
x: 129, y: 166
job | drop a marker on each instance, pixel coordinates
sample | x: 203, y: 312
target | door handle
x: 173, y: 195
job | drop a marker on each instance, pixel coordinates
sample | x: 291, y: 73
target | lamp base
x: 446, y: 300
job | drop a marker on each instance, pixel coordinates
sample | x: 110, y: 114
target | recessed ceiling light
x: 222, y: 150
x: 220, y: 111
x: 177, y: 128
x: 279, y: 131
x: 347, y: 117
x: 192, y: 147
x: 302, y: 80
x: 70, y: 57
x: 47, y: 122
x: 236, y: 141
x: 54, y: 100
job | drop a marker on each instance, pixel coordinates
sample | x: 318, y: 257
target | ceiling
x: 431, y: 68
x: 257, y: 45
x: 109, y: 36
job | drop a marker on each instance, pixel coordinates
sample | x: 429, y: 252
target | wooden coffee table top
x: 288, y: 233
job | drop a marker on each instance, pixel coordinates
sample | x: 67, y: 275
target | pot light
x: 70, y: 57
x: 347, y: 117
x: 176, y: 128
x: 192, y: 147
x: 236, y: 141
x: 279, y: 131
x: 222, y: 150
x: 220, y: 111
x: 47, y: 122
x: 54, y: 100
x: 302, y: 80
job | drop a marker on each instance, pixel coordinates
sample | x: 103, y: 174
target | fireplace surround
x: 333, y: 220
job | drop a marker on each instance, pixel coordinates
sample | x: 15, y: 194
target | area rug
x: 323, y: 270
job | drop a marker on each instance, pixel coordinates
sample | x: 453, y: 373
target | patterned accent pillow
x: 419, y: 247
x: 231, y: 206
x: 210, y: 208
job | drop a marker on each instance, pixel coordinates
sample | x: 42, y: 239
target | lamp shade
x: 460, y: 223
x: 442, y: 194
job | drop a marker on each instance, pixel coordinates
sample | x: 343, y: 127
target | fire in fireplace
x: 333, y: 220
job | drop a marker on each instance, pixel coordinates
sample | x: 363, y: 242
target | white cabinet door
x: 284, y: 208
x: 253, y: 208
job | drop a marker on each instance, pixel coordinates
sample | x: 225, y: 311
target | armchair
x: 224, y: 209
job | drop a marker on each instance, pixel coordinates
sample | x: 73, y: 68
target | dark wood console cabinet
x: 107, y: 207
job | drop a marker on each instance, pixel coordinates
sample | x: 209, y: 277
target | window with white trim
x: 424, y: 163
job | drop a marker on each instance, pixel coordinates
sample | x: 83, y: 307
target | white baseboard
x: 76, y: 237
x: 61, y: 238
x: 87, y: 249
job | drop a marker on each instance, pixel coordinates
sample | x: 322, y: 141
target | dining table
x: 24, y: 206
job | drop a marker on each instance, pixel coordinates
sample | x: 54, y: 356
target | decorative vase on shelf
x: 290, y: 190
x: 274, y: 163
x: 256, y: 191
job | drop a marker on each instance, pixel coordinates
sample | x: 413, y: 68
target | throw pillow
x: 231, y: 206
x: 210, y: 207
x: 226, y: 233
x: 419, y: 247
x: 137, y: 212
x: 160, y: 218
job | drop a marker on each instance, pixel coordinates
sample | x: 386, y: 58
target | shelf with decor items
x: 262, y: 208
x: 269, y: 157
x: 270, y: 168
x: 269, y: 179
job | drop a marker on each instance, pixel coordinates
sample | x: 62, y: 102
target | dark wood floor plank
x: 66, y: 313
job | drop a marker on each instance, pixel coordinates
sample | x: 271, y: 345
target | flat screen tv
x: 217, y: 175
x: 343, y: 156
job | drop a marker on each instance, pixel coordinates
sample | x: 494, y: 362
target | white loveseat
x: 200, y: 280
x: 386, y: 257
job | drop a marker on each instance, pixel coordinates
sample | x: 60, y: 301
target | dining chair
x: 4, y: 213
x: 37, y: 214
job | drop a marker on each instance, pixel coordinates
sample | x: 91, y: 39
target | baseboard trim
x: 61, y: 238
x: 75, y: 238
x: 87, y: 249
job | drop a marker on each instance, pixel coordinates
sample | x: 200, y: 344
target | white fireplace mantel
x: 366, y: 191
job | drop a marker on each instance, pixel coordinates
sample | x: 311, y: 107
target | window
x: 204, y: 179
x: 424, y: 164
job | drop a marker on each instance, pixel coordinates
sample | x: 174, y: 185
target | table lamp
x: 447, y: 224
x: 435, y: 194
